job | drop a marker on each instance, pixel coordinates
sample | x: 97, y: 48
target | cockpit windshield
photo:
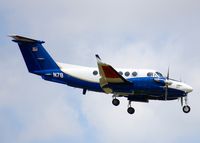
x: 159, y: 74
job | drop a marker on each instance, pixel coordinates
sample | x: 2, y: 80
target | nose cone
x: 188, y: 88
x: 182, y: 86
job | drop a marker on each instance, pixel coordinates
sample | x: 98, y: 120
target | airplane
x: 137, y: 85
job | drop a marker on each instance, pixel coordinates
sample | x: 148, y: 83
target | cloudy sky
x: 125, y: 33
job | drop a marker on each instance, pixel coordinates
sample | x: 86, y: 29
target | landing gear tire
x: 186, y: 109
x: 131, y: 110
x: 115, y: 102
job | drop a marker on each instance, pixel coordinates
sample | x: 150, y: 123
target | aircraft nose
x: 189, y: 89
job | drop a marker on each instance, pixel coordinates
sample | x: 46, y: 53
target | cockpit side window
x: 159, y: 74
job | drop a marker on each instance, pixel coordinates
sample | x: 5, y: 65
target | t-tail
x: 37, y: 59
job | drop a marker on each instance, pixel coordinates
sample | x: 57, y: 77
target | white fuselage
x: 87, y: 74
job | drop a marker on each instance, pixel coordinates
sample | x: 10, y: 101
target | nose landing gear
x: 186, y: 108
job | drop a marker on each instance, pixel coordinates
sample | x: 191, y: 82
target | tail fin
x: 35, y: 56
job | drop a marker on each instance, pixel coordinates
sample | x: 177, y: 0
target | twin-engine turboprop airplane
x: 139, y: 85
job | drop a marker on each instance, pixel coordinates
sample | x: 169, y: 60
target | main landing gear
x: 130, y: 109
x: 115, y: 102
x: 186, y: 108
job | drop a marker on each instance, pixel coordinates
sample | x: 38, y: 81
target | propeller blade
x: 166, y: 85
x: 180, y: 79
x: 166, y: 92
x: 168, y: 73
x: 181, y: 101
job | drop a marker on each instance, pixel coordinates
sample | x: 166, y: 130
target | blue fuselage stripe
x: 145, y: 86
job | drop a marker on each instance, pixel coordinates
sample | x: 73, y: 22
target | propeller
x: 181, y: 101
x: 167, y: 83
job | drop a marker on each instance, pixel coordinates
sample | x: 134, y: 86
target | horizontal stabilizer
x: 17, y: 38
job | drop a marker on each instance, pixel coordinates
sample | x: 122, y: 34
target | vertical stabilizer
x: 34, y: 54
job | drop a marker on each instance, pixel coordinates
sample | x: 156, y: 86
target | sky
x: 154, y: 34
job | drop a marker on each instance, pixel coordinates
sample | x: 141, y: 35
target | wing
x: 111, y: 81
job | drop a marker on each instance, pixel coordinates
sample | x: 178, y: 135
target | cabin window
x: 150, y: 74
x: 121, y: 73
x: 134, y: 73
x: 127, y: 73
x: 95, y: 72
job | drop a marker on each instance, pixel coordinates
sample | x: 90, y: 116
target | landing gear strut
x: 130, y: 109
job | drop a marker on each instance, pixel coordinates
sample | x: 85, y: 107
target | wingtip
x: 97, y: 56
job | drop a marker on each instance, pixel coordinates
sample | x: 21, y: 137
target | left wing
x: 110, y: 78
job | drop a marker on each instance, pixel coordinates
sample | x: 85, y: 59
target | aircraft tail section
x: 35, y: 56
